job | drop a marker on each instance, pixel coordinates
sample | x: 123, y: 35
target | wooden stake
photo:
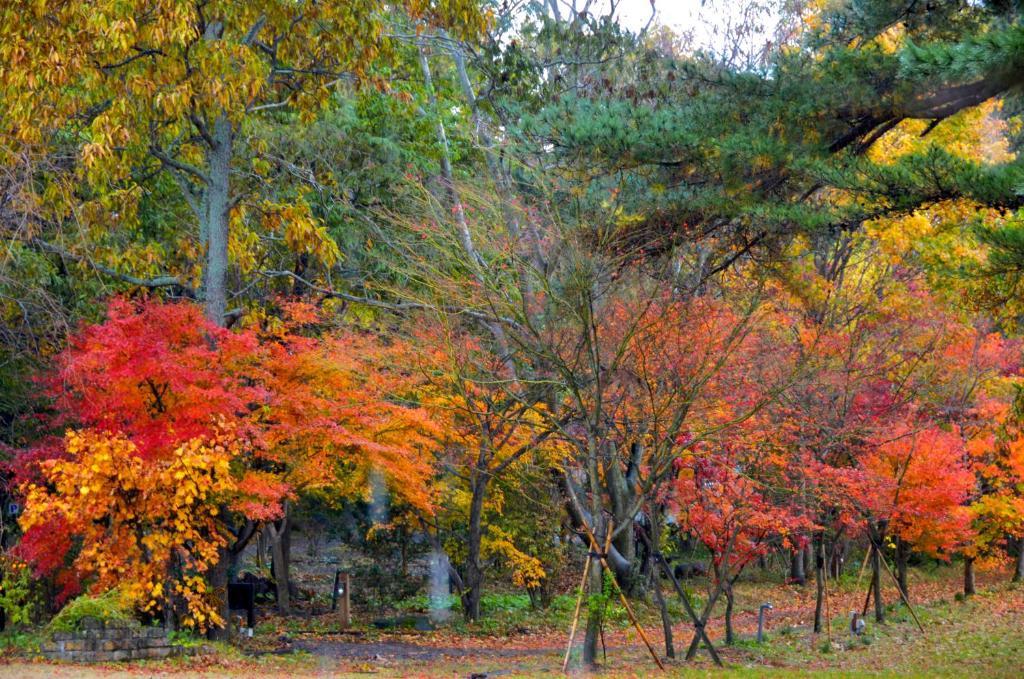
x: 622, y: 597
x: 867, y: 599
x: 860, y: 576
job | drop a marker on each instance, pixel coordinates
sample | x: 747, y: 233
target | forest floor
x: 980, y: 637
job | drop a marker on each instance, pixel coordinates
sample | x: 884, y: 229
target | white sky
x: 706, y: 19
x: 672, y: 13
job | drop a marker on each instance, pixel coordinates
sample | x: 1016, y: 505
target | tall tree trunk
x: 220, y: 573
x: 796, y: 566
x: 876, y: 583
x: 595, y: 447
x: 217, y: 218
x: 666, y: 619
x: 622, y: 494
x: 1018, y: 572
x: 446, y: 162
x: 730, y: 601
x: 838, y: 557
x: 593, y: 634
x: 218, y: 577
x: 969, y: 576
x: 501, y: 180
x: 902, y: 556
x: 279, y: 533
x: 474, y: 579
x: 819, y: 581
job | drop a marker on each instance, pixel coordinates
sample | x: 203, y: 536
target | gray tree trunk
x: 214, y: 229
x: 1018, y: 572
x: 593, y: 634
x: 279, y: 533
x: 622, y: 493
x: 838, y: 557
x: 796, y: 566
x: 876, y: 584
x: 596, y: 587
x: 902, y: 556
x: 730, y: 602
x: 218, y: 576
x: 666, y: 619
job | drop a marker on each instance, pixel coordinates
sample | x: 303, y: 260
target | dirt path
x: 397, y: 650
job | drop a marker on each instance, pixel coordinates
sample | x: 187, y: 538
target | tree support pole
x: 860, y: 576
x: 622, y: 597
x: 867, y: 598
x: 576, y: 615
x: 698, y: 624
x: 701, y: 633
x: 903, y: 595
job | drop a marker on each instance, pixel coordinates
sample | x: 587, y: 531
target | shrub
x: 109, y: 606
x: 20, y: 595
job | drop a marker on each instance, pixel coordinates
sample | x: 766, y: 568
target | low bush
x: 106, y: 607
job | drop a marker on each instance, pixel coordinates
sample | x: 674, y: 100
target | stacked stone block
x: 112, y: 641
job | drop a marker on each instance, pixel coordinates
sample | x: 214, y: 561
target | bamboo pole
x: 867, y: 598
x: 860, y: 576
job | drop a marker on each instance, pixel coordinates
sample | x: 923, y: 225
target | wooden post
x: 867, y: 598
x: 860, y: 575
x: 342, y: 586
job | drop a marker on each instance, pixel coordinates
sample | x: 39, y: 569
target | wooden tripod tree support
x: 698, y: 624
x: 579, y: 603
x: 622, y: 596
x: 702, y: 622
x: 903, y: 595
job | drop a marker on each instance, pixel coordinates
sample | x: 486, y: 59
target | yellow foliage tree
x: 151, y: 529
x: 146, y: 87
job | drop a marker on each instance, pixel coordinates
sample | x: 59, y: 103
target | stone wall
x: 111, y: 642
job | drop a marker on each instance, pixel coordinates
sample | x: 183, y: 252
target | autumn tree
x: 994, y: 456
x: 611, y: 359
x: 146, y: 90
x: 723, y: 495
x: 303, y: 412
x: 150, y: 529
x: 489, y: 430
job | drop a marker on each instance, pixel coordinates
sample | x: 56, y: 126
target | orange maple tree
x: 284, y: 413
